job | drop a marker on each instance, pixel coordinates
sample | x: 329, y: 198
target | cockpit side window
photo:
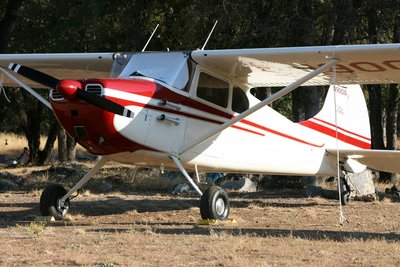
x: 213, y: 90
x: 240, y: 102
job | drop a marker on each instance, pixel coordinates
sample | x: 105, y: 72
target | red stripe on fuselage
x: 138, y: 104
x: 332, y: 133
x: 344, y: 130
x: 159, y: 92
x: 282, y: 134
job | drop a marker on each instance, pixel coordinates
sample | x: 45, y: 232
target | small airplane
x: 193, y: 110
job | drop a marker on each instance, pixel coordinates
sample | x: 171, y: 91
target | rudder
x: 352, y: 118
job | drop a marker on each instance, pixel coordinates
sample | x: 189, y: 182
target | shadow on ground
x: 338, y: 236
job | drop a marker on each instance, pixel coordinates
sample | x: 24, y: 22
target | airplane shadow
x: 266, y: 194
x: 194, y: 229
x: 24, y: 213
x: 119, y: 205
x: 19, y: 212
x: 338, y: 236
x: 263, y: 204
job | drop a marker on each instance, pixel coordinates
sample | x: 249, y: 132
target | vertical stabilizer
x: 352, y: 118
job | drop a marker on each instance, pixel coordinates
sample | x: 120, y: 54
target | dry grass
x: 120, y: 228
x: 157, y: 230
x: 11, y: 145
x: 33, y: 229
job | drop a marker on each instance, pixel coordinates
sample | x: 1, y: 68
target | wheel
x: 345, y: 192
x: 345, y: 198
x: 214, y: 204
x: 50, y: 201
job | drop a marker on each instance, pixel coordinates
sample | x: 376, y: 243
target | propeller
x: 70, y: 89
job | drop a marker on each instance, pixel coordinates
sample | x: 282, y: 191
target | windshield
x: 169, y: 67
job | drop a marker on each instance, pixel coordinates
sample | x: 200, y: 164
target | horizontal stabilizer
x: 382, y: 160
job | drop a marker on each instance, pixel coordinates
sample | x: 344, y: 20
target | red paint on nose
x: 67, y: 88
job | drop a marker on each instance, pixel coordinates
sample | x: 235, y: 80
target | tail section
x: 352, y: 118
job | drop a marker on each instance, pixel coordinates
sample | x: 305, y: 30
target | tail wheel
x: 345, y: 198
x: 50, y: 201
x: 346, y: 192
x: 214, y: 204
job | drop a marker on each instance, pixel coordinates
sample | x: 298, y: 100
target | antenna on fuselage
x: 151, y: 36
x: 209, y: 35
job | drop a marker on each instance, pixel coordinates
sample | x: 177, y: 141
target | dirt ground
x: 273, y: 228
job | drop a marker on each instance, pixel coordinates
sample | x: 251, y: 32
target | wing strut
x: 260, y: 105
x: 27, y: 88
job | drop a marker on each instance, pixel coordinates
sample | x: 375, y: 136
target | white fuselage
x: 265, y: 142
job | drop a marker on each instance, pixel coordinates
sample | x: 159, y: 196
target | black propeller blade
x: 104, y: 103
x: 49, y: 81
x: 34, y: 75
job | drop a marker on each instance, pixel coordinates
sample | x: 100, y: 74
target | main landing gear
x: 214, y: 203
x: 55, y: 200
x: 51, y: 204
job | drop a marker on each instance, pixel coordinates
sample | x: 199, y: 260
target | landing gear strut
x: 214, y: 203
x: 55, y: 199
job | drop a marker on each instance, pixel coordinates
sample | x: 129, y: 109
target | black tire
x: 214, y: 204
x: 345, y: 198
x: 345, y: 192
x: 49, y: 201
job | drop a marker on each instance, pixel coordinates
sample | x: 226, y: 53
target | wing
x: 359, y: 64
x: 382, y: 160
x: 62, y: 66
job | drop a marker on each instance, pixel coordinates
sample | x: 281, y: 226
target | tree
x: 105, y: 25
x: 392, y: 109
x: 66, y: 146
x: 7, y: 25
x: 8, y: 22
x: 377, y: 25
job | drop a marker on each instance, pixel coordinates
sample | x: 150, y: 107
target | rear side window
x: 240, y: 102
x: 213, y: 90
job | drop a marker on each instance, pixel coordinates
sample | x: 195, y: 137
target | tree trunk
x: 374, y: 92
x: 392, y: 108
x: 31, y: 127
x: 312, y: 101
x: 391, y: 124
x: 375, y: 116
x: 71, y: 148
x: 297, y: 106
x: 344, y: 21
x: 44, y: 155
x: 62, y: 145
x: 7, y: 24
x: 391, y: 117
